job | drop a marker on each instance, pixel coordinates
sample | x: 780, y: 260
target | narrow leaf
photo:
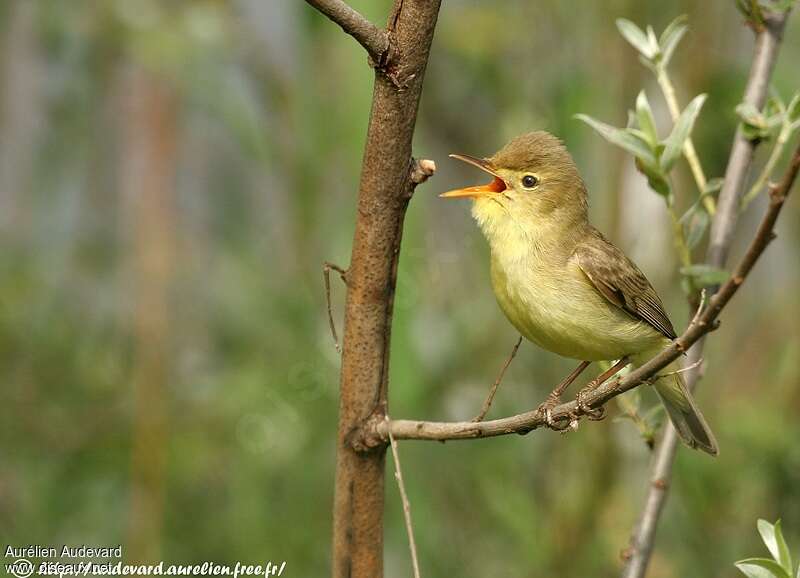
x: 773, y: 538
x: 793, y: 108
x: 620, y: 137
x: 644, y: 114
x: 634, y: 35
x: 705, y: 275
x: 672, y: 36
x: 680, y: 132
x: 696, y: 227
x: 652, y: 40
x: 761, y: 568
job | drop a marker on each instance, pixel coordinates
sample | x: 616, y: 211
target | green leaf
x: 621, y: 137
x: 671, y: 37
x: 644, y: 114
x: 634, y: 35
x: 782, y: 6
x: 773, y: 538
x: 761, y: 568
x: 793, y: 108
x: 705, y: 275
x: 695, y: 226
x: 659, y: 185
x: 652, y: 40
x: 680, y: 133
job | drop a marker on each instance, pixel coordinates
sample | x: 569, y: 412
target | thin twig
x: 398, y: 475
x: 487, y: 403
x: 375, y: 40
x: 743, y: 149
x: 700, y: 306
x: 777, y: 151
x: 689, y: 367
x: 375, y: 434
x: 326, y: 274
x: 637, y: 555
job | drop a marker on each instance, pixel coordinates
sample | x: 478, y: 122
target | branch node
x: 376, y: 41
x: 660, y: 484
x: 421, y: 170
x: 368, y: 436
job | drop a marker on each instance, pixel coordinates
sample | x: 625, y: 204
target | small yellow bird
x: 562, y: 284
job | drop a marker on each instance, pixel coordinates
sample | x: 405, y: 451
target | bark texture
x: 385, y: 188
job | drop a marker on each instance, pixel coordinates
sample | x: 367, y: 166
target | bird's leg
x: 555, y: 396
x: 598, y: 413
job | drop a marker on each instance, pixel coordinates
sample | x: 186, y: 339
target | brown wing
x: 620, y: 281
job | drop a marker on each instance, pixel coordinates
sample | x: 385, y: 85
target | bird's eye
x: 529, y: 181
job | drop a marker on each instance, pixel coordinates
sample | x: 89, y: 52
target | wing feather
x: 621, y: 282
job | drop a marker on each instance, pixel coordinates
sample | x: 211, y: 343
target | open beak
x: 497, y: 185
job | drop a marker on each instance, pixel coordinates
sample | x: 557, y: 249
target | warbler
x: 564, y: 286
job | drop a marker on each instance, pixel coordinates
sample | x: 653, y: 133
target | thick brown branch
x: 377, y: 433
x: 384, y: 191
x: 375, y: 40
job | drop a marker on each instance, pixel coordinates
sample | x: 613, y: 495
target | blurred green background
x: 172, y: 175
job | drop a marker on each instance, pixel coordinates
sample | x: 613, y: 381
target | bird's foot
x: 546, y: 409
x: 594, y: 414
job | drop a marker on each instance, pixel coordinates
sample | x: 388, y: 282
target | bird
x: 562, y: 284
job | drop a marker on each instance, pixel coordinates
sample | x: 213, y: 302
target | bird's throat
x: 514, y: 235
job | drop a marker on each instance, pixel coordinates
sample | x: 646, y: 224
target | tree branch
x: 374, y: 40
x: 741, y: 156
x: 768, y: 39
x: 376, y: 433
x: 388, y: 178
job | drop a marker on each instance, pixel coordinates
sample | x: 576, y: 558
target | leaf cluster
x: 780, y: 565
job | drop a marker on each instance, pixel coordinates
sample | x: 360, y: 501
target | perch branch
x: 768, y: 38
x: 375, y: 434
x: 374, y: 40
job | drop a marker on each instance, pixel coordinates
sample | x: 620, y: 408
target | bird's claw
x: 547, y: 407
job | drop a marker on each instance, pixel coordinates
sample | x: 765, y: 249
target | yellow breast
x: 555, y: 306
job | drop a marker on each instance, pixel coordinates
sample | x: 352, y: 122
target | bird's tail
x: 687, y: 419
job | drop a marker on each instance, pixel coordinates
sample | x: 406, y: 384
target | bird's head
x: 535, y: 189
